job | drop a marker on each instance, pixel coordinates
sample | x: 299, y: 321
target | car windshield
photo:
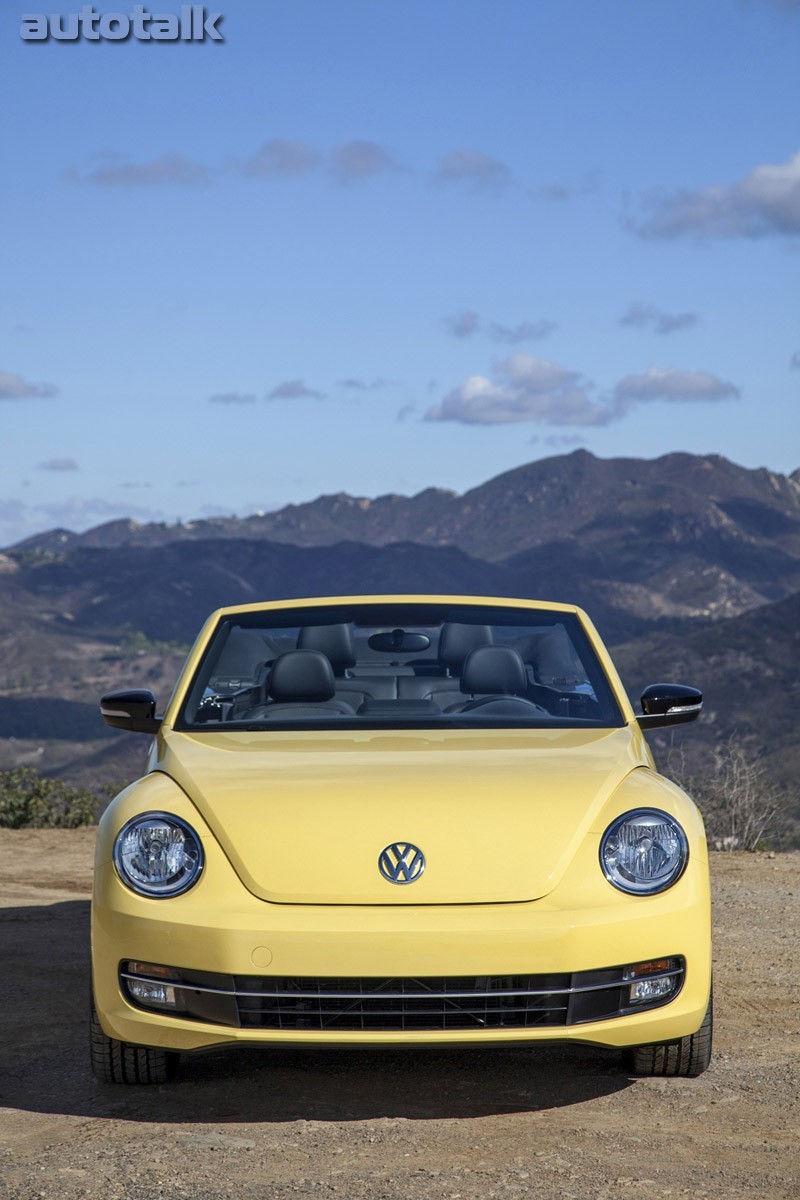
x: 399, y: 666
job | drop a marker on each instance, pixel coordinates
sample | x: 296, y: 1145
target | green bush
x: 137, y: 643
x: 29, y: 800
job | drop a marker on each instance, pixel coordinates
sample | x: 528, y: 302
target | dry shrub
x: 742, y: 807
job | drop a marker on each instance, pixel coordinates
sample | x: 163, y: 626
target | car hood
x: 304, y: 817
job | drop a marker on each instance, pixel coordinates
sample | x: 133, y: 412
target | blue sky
x: 373, y: 246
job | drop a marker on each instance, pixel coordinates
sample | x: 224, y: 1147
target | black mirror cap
x: 134, y: 709
x: 669, y: 704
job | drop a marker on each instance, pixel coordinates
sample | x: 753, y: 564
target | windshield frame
x: 383, y: 612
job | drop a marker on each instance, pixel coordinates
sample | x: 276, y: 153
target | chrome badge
x: 401, y: 862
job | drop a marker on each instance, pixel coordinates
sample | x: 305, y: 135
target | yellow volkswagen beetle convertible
x: 418, y: 820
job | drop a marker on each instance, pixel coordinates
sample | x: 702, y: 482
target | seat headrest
x: 551, y: 655
x: 334, y: 641
x: 242, y: 654
x: 302, y: 675
x: 494, y: 670
x: 456, y: 640
x: 554, y: 662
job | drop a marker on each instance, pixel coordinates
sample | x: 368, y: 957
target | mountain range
x: 689, y: 565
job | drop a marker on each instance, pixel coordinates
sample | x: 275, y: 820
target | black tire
x: 120, y: 1062
x: 688, y: 1057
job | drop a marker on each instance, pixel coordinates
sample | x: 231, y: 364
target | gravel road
x: 557, y: 1123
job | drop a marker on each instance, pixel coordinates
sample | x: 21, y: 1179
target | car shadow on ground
x: 44, y: 1068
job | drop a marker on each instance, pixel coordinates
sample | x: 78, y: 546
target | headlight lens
x: 158, y: 855
x: 643, y: 852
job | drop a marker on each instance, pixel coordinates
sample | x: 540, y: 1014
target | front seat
x: 495, y: 679
x: 495, y: 671
x: 301, y: 684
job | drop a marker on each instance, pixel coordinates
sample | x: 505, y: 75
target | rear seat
x: 375, y: 681
x: 335, y: 642
x: 456, y: 640
x: 357, y: 683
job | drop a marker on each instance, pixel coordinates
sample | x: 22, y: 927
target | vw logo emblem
x: 401, y: 862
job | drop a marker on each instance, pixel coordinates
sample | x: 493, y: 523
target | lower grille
x: 498, y: 1002
x: 435, y: 1004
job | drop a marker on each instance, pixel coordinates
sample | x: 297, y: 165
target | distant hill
x: 677, y: 559
x: 748, y: 668
x: 681, y: 536
x: 542, y: 502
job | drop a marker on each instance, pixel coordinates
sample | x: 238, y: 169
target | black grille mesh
x: 497, y: 1002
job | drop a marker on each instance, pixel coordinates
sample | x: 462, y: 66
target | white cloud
x: 233, y: 398
x: 672, y: 384
x: 764, y: 203
x: 647, y: 316
x: 471, y: 167
x: 354, y: 384
x: 82, y: 512
x: 166, y: 169
x: 59, y: 464
x: 557, y: 441
x: 559, y: 192
x: 467, y: 323
x: 14, y: 387
x: 18, y: 520
x: 463, y: 324
x: 525, y: 389
x: 294, y: 389
x: 524, y: 331
x: 280, y: 157
x: 556, y: 193
x: 357, y: 160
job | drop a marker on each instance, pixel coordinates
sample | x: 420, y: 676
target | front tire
x: 688, y: 1057
x: 120, y: 1062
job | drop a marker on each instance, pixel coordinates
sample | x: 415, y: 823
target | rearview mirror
x: 134, y: 710
x: 399, y: 641
x: 669, y: 704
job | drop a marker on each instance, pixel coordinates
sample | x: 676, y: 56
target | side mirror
x: 135, y: 710
x: 669, y: 704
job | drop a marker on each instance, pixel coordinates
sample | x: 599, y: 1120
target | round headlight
x: 158, y: 855
x: 643, y: 852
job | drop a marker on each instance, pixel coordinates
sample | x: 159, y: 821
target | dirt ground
x: 555, y: 1123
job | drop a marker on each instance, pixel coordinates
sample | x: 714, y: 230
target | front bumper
x: 219, y: 928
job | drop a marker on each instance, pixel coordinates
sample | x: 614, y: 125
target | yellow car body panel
x: 291, y: 825
x: 500, y: 814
